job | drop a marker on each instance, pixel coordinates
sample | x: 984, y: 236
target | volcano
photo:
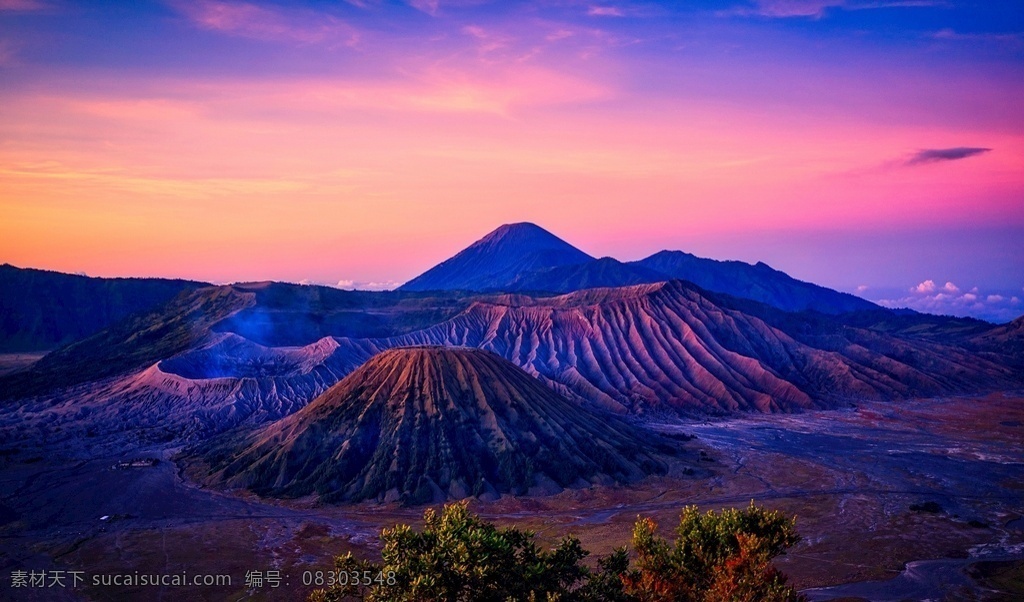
x: 424, y: 424
x: 499, y: 258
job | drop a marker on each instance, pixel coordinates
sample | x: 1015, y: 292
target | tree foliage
x: 458, y: 557
x: 716, y: 556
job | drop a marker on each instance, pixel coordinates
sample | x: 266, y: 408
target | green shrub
x: 457, y: 557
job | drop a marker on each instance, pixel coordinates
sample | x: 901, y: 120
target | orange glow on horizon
x: 379, y: 175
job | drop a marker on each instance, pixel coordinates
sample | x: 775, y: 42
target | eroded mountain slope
x: 424, y: 424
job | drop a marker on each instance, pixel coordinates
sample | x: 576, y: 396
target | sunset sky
x: 872, y: 146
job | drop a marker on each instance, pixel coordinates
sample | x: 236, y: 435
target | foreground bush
x: 724, y: 556
x: 458, y: 557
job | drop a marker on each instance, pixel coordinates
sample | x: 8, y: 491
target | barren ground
x: 850, y: 476
x: 13, y: 362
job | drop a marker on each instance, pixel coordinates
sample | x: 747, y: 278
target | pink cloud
x: 817, y: 8
x: 359, y: 285
x: 928, y: 286
x: 949, y: 300
x: 489, y: 41
x: 434, y: 90
x: 559, y: 34
x: 428, y: 6
x: 1015, y: 38
x: 605, y: 11
x: 23, y: 5
x: 252, y: 21
x: 432, y: 7
x: 795, y: 8
x: 143, y: 110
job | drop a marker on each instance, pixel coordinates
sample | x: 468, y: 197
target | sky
x: 873, y: 146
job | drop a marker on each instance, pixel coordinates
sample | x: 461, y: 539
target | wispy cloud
x: 23, y: 5
x: 124, y: 180
x: 433, y: 7
x: 1012, y: 38
x: 499, y: 91
x: 270, y: 24
x: 488, y: 41
x: 935, y: 155
x: 428, y: 6
x: 818, y: 8
x: 559, y: 34
x: 605, y: 11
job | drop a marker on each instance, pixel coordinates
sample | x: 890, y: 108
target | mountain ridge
x: 645, y: 348
x: 523, y: 257
x: 44, y: 309
x: 666, y: 347
x: 758, y: 282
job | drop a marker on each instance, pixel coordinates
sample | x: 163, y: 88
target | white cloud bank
x: 359, y: 285
x: 950, y: 299
x: 355, y: 285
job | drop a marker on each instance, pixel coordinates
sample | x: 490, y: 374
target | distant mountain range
x: 41, y: 310
x: 758, y: 282
x: 490, y: 380
x: 525, y: 257
x: 635, y: 337
x: 646, y: 349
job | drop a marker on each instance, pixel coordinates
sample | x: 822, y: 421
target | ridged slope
x: 644, y: 350
x: 225, y: 383
x: 130, y: 345
x: 665, y: 347
x: 1005, y: 341
x: 427, y: 423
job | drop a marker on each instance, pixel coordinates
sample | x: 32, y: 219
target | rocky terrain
x: 535, y: 395
x: 852, y: 477
x: 666, y: 347
x: 423, y: 424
